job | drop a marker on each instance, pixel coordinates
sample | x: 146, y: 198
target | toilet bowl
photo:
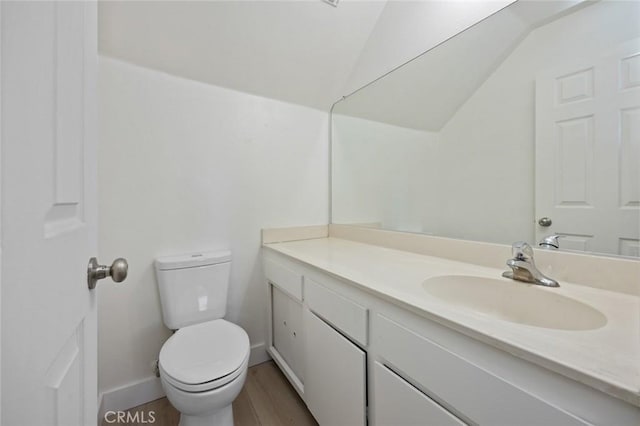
x: 203, y: 365
x: 213, y: 407
x: 202, y: 370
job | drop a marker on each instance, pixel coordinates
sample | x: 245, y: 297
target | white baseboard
x: 258, y: 354
x: 129, y: 396
x: 149, y: 389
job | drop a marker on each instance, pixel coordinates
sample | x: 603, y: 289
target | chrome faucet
x: 523, y: 267
x: 550, y: 242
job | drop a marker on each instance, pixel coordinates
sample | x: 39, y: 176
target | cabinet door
x: 335, y: 376
x: 397, y: 403
x: 287, y: 323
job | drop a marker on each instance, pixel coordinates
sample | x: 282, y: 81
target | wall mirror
x: 524, y: 125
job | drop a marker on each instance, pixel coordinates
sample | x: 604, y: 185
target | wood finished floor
x: 266, y: 399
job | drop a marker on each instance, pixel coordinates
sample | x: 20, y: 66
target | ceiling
x: 301, y: 51
x: 296, y: 51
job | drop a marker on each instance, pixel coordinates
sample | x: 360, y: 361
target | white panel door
x: 48, y: 174
x: 588, y: 152
x: 335, y: 375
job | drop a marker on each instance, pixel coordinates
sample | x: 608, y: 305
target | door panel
x: 49, y: 58
x: 287, y: 326
x: 335, y: 375
x: 588, y: 152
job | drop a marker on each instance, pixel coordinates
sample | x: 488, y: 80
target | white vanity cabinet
x: 473, y: 392
x: 287, y: 330
x: 358, y: 358
x: 285, y: 338
x: 335, y: 385
x: 336, y: 367
x: 396, y: 402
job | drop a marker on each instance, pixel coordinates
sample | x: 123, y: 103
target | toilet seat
x: 206, y: 386
x: 204, y: 356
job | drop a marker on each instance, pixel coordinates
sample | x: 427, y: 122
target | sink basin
x: 515, y: 302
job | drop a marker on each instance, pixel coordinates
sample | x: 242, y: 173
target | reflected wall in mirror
x: 531, y: 114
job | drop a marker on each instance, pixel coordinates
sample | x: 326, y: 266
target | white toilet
x: 204, y: 364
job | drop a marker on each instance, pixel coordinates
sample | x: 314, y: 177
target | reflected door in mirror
x: 588, y: 151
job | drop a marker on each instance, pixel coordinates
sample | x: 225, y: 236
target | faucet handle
x: 521, y: 250
x: 551, y: 241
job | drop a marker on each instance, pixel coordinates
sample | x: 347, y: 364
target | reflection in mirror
x: 523, y: 126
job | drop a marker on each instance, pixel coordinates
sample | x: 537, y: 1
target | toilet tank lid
x: 191, y: 260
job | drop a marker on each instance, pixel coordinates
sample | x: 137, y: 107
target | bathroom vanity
x: 369, y: 335
x: 379, y: 330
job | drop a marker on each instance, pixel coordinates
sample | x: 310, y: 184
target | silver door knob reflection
x: 117, y: 271
x: 544, y: 221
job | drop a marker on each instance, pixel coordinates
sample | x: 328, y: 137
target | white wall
x: 381, y: 174
x: 187, y: 166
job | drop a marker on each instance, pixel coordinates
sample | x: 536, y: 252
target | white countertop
x: 607, y: 358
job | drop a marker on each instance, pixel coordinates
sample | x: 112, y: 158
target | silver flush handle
x: 117, y: 271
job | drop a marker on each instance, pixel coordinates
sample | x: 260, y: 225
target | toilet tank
x: 193, y: 287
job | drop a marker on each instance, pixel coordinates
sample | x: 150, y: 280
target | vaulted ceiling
x: 300, y: 51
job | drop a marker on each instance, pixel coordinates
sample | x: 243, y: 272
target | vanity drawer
x: 284, y: 278
x: 344, y: 314
x: 396, y: 402
x: 475, y: 394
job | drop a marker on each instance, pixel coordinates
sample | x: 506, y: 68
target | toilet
x: 203, y: 366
